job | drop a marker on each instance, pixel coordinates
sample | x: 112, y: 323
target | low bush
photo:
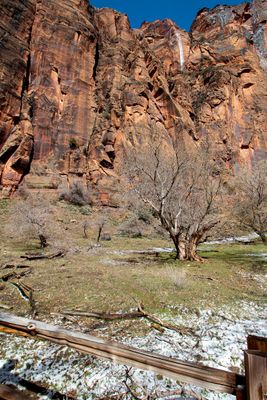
x: 177, y: 276
x: 131, y: 228
x: 77, y: 195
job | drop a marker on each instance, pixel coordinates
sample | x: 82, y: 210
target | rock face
x: 78, y: 84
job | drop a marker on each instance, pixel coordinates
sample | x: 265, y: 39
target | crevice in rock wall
x: 26, y: 79
x: 77, y: 37
x: 97, y: 55
x: 5, y: 155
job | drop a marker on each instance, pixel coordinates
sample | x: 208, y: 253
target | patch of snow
x: 261, y: 255
x: 233, y: 239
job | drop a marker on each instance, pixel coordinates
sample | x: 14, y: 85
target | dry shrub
x: 77, y: 194
x: 30, y: 218
x: 177, y: 276
x: 132, y: 228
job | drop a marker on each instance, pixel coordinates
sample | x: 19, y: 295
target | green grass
x: 3, y: 206
x: 111, y: 279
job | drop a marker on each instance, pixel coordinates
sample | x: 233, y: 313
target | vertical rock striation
x: 78, y: 84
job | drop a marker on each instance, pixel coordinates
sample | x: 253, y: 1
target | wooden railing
x: 253, y: 386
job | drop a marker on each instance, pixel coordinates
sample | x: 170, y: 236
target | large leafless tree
x: 250, y: 202
x: 181, y: 191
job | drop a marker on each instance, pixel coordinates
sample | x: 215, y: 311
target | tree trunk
x: 186, y: 249
x: 182, y: 249
x: 43, y: 241
x: 263, y: 237
x: 99, y: 232
x: 191, y: 251
x: 178, y: 244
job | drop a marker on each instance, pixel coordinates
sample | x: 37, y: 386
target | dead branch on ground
x: 40, y: 256
x: 14, y: 274
x: 105, y: 316
x: 16, y: 266
x: 26, y: 292
x: 140, y: 313
x: 5, y: 307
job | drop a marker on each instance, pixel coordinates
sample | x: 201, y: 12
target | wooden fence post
x: 256, y: 368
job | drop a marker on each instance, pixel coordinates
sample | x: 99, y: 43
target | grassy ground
x: 113, y: 277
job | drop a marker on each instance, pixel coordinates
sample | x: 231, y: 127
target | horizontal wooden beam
x: 199, y: 375
x: 257, y: 343
x: 11, y: 393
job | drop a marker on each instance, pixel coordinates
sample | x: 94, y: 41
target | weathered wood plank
x: 256, y: 375
x: 10, y: 393
x: 210, y: 378
x: 257, y: 343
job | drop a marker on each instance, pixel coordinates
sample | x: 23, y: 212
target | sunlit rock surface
x: 77, y: 84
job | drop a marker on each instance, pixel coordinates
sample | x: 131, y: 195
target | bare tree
x: 250, y: 200
x: 30, y: 217
x: 180, y: 190
x: 100, y: 228
x: 85, y: 226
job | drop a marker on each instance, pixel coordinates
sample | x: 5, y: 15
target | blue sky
x: 181, y: 11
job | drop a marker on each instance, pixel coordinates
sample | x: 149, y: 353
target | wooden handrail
x: 206, y: 377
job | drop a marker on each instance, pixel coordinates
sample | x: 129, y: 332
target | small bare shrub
x: 176, y: 276
x: 77, y: 195
x: 30, y: 218
x: 131, y: 228
x: 85, y: 226
x: 22, y: 191
x: 144, y: 215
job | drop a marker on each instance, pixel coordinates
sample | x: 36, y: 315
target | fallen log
x: 41, y: 256
x: 197, y: 374
x: 16, y: 266
x: 14, y: 274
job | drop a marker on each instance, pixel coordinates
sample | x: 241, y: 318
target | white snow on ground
x: 220, y: 341
x: 233, y: 239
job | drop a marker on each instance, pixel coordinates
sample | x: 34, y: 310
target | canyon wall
x: 78, y: 85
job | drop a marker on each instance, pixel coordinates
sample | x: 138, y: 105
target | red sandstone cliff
x: 77, y: 82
